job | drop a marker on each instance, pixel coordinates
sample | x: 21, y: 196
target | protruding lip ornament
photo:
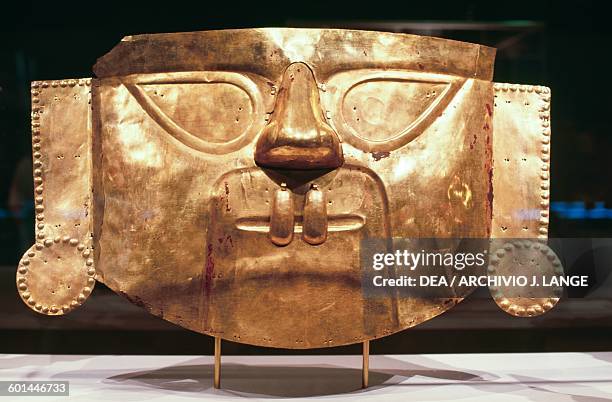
x: 313, y: 224
x: 297, y: 135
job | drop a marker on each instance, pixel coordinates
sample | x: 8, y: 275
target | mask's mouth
x: 312, y: 220
x: 335, y: 223
x: 262, y: 227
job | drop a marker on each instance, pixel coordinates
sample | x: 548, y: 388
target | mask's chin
x: 254, y: 288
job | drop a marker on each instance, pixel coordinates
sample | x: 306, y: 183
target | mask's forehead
x: 268, y: 51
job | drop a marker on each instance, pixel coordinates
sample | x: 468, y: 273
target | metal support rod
x: 366, y: 364
x: 217, y: 372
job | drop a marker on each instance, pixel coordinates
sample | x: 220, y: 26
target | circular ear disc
x: 529, y: 259
x: 56, y: 276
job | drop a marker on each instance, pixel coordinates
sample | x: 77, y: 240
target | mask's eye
x: 213, y: 112
x: 383, y: 110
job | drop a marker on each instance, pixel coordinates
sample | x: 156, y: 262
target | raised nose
x: 297, y: 136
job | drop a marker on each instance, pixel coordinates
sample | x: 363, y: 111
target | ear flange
x: 56, y: 275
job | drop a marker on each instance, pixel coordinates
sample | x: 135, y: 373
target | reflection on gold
x: 459, y: 191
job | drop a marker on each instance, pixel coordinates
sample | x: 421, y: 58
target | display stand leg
x: 217, y: 372
x: 366, y: 364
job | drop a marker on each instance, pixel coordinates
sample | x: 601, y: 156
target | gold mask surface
x: 223, y: 180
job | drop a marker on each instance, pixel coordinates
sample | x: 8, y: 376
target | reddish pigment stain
x: 380, y: 155
x: 210, y: 268
x: 473, y: 143
x: 227, y: 191
x: 489, y: 169
x: 227, y: 239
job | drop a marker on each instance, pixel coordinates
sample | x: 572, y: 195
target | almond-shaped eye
x: 381, y: 111
x: 215, y: 112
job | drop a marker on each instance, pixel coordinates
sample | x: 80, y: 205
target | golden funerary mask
x: 223, y: 180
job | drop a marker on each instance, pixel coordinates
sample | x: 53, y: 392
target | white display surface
x: 443, y: 377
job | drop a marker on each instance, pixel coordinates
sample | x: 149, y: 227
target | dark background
x: 563, y: 45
